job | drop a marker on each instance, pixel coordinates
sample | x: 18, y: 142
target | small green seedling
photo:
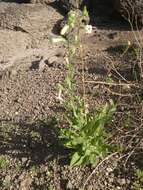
x: 138, y: 184
x: 3, y: 162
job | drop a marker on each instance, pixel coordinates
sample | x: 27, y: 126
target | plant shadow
x: 37, y: 142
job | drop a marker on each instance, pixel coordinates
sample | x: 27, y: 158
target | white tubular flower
x: 64, y: 30
x: 67, y: 60
x: 129, y: 43
x: 60, y: 96
x: 88, y: 29
x: 58, y: 39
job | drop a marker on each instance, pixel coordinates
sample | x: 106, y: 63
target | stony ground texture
x: 31, y: 157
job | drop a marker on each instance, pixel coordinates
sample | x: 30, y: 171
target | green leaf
x: 75, y: 158
x: 85, y: 12
x: 65, y: 30
x: 82, y: 160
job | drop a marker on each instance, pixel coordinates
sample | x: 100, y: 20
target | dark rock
x: 130, y: 9
x: 70, y: 4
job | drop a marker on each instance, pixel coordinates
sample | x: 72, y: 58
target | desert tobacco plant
x: 85, y: 136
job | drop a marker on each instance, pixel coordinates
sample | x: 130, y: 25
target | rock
x: 69, y: 185
x: 24, y: 159
x: 71, y: 4
x: 37, y: 1
x: 109, y: 170
x: 32, y: 1
x: 127, y: 8
x: 25, y: 184
x: 7, y: 179
x: 122, y: 181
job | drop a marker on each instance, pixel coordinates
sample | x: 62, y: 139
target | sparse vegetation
x: 3, y: 162
x: 138, y: 184
x: 88, y: 133
x: 34, y: 169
